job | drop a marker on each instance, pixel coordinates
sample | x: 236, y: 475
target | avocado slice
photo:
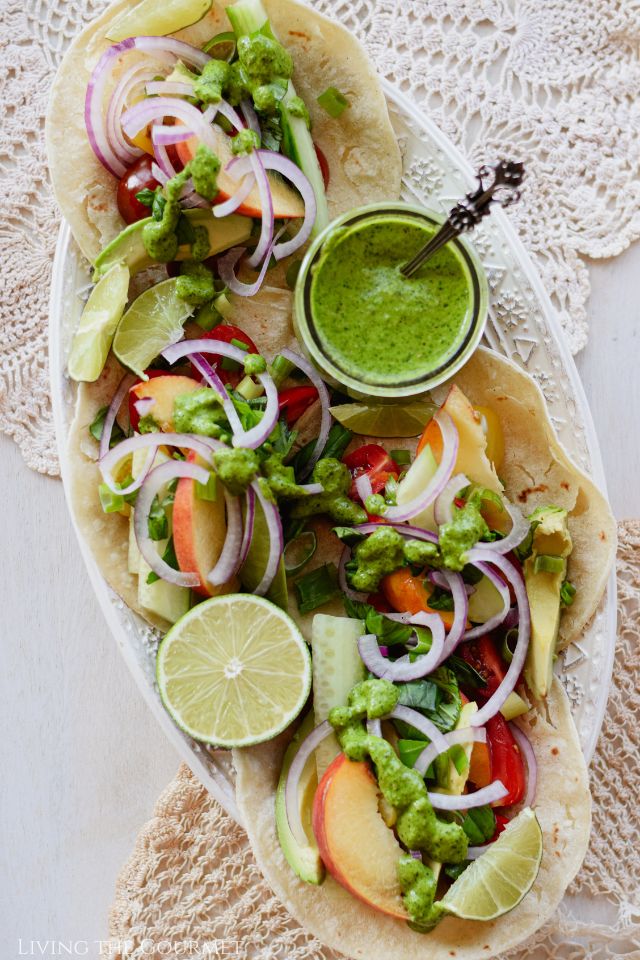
x: 305, y: 861
x: 128, y: 247
x: 544, y: 572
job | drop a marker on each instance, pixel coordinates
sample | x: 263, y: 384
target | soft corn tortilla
x: 360, y: 146
x: 340, y: 921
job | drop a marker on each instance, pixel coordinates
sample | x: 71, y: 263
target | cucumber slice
x: 337, y: 668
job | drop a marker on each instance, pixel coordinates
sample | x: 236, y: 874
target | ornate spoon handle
x: 497, y: 183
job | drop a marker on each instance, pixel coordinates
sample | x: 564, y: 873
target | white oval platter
x: 522, y: 326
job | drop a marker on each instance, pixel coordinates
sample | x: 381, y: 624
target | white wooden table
x: 82, y: 760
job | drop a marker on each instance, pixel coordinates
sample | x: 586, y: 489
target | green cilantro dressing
x: 383, y: 552
x: 199, y: 411
x: 463, y: 532
x: 417, y: 825
x: 377, y: 325
x: 334, y: 501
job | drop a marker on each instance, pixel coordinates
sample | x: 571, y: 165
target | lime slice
x: 153, y: 321
x: 385, y: 419
x: 153, y: 19
x: 100, y: 317
x: 234, y: 671
x: 498, y: 880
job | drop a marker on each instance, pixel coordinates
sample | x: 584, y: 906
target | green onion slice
x: 299, y: 551
x: 547, y: 563
x: 333, y: 102
x: 226, y: 41
x: 401, y: 457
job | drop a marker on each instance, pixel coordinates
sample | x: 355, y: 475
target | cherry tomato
x: 501, y: 823
x: 138, y: 177
x: 225, y: 332
x: 407, y: 593
x: 379, y: 602
x: 134, y: 416
x: 373, y: 461
x: 483, y: 656
x: 507, y: 764
x: 295, y: 400
x: 324, y: 166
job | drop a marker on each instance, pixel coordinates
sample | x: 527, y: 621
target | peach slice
x: 287, y: 203
x: 163, y: 390
x: 199, y: 530
x: 357, y: 847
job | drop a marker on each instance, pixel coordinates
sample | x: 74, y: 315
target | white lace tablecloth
x: 554, y: 83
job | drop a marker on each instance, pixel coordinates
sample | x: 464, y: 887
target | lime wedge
x: 153, y: 321
x: 234, y: 671
x: 498, y: 880
x: 100, y: 317
x: 153, y: 19
x: 385, y: 419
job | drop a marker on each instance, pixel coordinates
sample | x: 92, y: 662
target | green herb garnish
x: 333, y: 102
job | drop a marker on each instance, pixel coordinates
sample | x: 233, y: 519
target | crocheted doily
x: 556, y: 82
x: 192, y: 887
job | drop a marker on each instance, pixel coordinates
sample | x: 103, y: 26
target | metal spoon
x: 497, y: 183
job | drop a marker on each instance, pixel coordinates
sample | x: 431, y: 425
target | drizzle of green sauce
x: 373, y: 322
x: 417, y: 825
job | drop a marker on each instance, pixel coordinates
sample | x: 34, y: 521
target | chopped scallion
x: 208, y: 490
x: 401, y: 457
x: 333, y: 102
x: 547, y: 563
x: 299, y: 551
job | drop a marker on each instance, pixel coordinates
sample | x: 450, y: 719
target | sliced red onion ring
x: 442, y: 508
x: 417, y: 533
x: 214, y: 381
x: 292, y: 786
x: 144, y: 405
x: 203, y: 446
x: 286, y: 168
x: 401, y: 670
x: 226, y: 270
x: 263, y: 249
x: 530, y: 759
x: 418, y: 722
x: 231, y: 205
x: 164, y: 49
x: 227, y: 111
x: 325, y: 402
x: 438, y: 577
x: 276, y: 540
x: 249, y: 521
x: 166, y: 135
x: 374, y: 728
x: 491, y: 794
x: 159, y: 174
x: 460, y: 611
x: 497, y: 618
x: 155, y: 480
x: 519, y: 530
x: 169, y: 88
x: 511, y: 619
x: 137, y: 74
x: 230, y: 556
x: 107, y: 428
x: 441, y: 476
x: 463, y: 736
x: 474, y: 852
x: 495, y: 702
x: 136, y: 118
x: 363, y: 486
x: 161, y: 155
x: 416, y: 854
x: 250, y: 116
x: 355, y: 595
x: 311, y: 489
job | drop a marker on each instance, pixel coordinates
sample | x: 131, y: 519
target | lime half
x: 498, y: 880
x: 100, y: 317
x: 153, y: 321
x: 385, y: 419
x: 153, y: 19
x: 234, y: 671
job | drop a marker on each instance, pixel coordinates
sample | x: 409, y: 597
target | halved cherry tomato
x: 323, y: 163
x: 507, y: 764
x: 483, y: 656
x: 379, y: 602
x: 134, y: 416
x: 373, y: 461
x: 138, y: 177
x: 409, y: 594
x: 226, y: 332
x: 295, y: 400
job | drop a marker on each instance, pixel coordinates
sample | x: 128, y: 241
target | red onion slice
x: 460, y: 611
x: 137, y: 74
x: 231, y: 205
x: 419, y: 722
x: 495, y: 702
x: 116, y: 402
x: 479, y: 798
x: 156, y: 479
x: 263, y: 249
x: 230, y: 557
x: 276, y: 540
x: 442, y: 508
x: 226, y: 270
x: 416, y: 533
x: 161, y: 155
x: 325, y: 402
x: 159, y: 174
x: 170, y: 88
x: 474, y: 852
x: 166, y: 135
x: 519, y: 529
x: 441, y: 476
x: 401, y: 670
x: 214, y: 381
x: 498, y: 618
x: 438, y: 577
x: 227, y: 111
x: 203, y: 446
x: 374, y: 728
x: 292, y: 785
x: 164, y: 49
x: 138, y: 117
x: 144, y: 405
x: 363, y: 486
x: 465, y: 735
x: 249, y: 521
x: 311, y: 489
x: 530, y: 759
x: 250, y: 116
